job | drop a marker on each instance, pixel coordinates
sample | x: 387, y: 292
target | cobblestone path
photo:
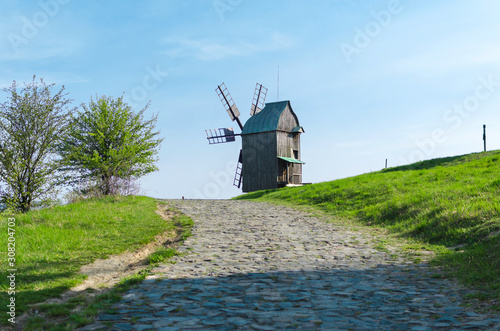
x: 257, y: 266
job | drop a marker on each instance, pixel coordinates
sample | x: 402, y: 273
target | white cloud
x: 203, y: 49
x: 38, y: 53
x: 59, y: 78
x: 208, y: 50
x: 65, y: 78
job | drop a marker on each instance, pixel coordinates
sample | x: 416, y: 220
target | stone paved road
x: 257, y: 266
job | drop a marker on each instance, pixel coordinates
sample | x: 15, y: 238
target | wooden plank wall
x: 287, y: 143
x: 260, y: 162
x: 297, y: 168
x: 287, y: 121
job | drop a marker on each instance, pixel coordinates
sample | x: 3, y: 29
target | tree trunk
x: 107, y: 184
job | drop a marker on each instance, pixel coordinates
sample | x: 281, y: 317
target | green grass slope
x: 52, y: 244
x: 450, y: 202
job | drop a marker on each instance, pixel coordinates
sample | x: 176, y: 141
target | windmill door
x: 283, y: 173
x: 290, y: 173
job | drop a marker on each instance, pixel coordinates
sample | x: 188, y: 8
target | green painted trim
x: 288, y: 159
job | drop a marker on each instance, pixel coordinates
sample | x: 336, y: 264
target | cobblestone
x: 257, y: 266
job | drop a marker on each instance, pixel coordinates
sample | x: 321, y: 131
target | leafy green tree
x: 32, y: 122
x: 108, y: 143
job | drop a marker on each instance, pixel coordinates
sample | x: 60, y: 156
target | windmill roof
x: 267, y: 119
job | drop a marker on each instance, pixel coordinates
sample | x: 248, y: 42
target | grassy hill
x: 52, y: 244
x: 447, y: 202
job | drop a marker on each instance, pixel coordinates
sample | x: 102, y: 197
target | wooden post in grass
x: 484, y: 136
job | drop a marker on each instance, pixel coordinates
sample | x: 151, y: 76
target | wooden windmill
x: 270, y: 154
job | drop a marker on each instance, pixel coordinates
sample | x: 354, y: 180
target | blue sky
x: 369, y: 80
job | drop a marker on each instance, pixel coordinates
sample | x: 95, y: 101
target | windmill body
x: 270, y: 154
x: 271, y: 148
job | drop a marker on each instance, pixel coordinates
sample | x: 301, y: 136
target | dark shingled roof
x: 267, y: 119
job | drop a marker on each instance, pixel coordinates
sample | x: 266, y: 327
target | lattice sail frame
x: 227, y: 101
x: 220, y: 136
x: 259, y: 98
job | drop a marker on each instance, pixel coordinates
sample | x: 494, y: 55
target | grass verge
x: 51, y: 245
x: 83, y: 309
x: 80, y: 310
x: 452, y: 203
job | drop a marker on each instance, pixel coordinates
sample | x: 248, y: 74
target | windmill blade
x: 238, y: 177
x: 220, y: 136
x: 228, y: 103
x: 259, y: 98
